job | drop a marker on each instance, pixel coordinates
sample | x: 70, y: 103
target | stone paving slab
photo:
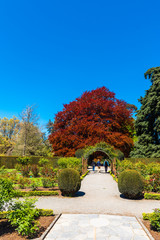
x: 96, y: 227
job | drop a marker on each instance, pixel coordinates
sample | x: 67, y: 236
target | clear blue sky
x: 53, y: 51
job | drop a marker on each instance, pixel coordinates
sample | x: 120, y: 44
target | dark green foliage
x: 23, y: 217
x: 147, y: 124
x: 6, y: 192
x: 69, y: 181
x: 24, y: 160
x: 154, y: 219
x: 131, y: 184
x: 45, y: 212
x: 11, y: 161
x: 35, y: 170
x: 120, y: 155
x: 79, y: 153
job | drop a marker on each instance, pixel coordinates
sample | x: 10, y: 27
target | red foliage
x: 94, y: 117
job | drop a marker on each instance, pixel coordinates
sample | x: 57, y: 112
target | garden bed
x: 155, y: 234
x: 8, y: 233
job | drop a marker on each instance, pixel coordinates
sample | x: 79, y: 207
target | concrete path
x: 96, y: 227
x: 98, y: 195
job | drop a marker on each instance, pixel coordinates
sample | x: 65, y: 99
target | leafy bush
x: 124, y: 165
x: 131, y: 184
x: 47, y: 172
x: 18, y: 166
x: 48, y: 182
x: 70, y: 162
x: 120, y: 155
x: 6, y: 193
x: 69, y: 181
x: 43, y: 161
x: 45, y: 212
x: 155, y: 220
x: 23, y: 182
x: 24, y: 160
x: 23, y: 217
x: 34, y: 186
x: 25, y: 170
x: 35, y: 170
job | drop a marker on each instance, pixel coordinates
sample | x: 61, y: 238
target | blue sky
x: 53, y: 51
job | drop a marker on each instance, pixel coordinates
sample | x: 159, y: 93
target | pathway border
x: 144, y: 228
x: 49, y: 228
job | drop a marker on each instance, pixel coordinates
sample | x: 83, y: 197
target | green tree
x: 31, y: 141
x: 9, y: 129
x: 147, y: 124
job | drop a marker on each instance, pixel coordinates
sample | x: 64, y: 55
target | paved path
x: 96, y: 227
x: 99, y: 195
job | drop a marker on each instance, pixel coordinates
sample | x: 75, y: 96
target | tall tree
x: 94, y: 117
x: 9, y: 129
x: 31, y: 140
x: 147, y: 124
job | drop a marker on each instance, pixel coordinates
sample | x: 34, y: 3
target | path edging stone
x: 42, y: 237
x: 144, y: 228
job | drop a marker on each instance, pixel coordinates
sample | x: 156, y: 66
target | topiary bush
x: 131, y: 184
x: 69, y: 181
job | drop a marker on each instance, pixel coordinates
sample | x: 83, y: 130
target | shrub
x: 47, y: 172
x: 155, y: 219
x: 34, y: 186
x: 23, y: 217
x: 69, y: 181
x: 25, y: 170
x: 35, y: 170
x: 70, y: 162
x: 6, y: 193
x: 24, y: 160
x: 48, y: 182
x: 23, y: 182
x: 43, y: 161
x: 154, y: 196
x: 131, y: 184
x: 35, y: 193
x: 18, y: 166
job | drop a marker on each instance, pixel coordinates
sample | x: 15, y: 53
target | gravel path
x: 99, y: 195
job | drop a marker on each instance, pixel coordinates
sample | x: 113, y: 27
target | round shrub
x: 69, y: 181
x: 131, y: 184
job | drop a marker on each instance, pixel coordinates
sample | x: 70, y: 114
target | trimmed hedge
x: 42, y: 212
x: 144, y: 160
x: 154, y: 196
x: 69, y: 181
x: 131, y: 184
x: 35, y: 193
x: 11, y: 161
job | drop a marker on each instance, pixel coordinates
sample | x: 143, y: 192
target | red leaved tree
x: 94, y: 117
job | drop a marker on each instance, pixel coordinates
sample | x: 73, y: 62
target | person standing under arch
x: 106, y: 164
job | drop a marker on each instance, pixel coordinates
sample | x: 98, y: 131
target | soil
x: 155, y: 234
x: 8, y: 233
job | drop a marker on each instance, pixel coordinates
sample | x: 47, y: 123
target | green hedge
x: 154, y: 196
x: 144, y: 160
x: 146, y: 216
x: 42, y: 212
x: 35, y: 193
x: 11, y: 161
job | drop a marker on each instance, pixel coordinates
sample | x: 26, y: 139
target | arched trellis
x: 100, y: 147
